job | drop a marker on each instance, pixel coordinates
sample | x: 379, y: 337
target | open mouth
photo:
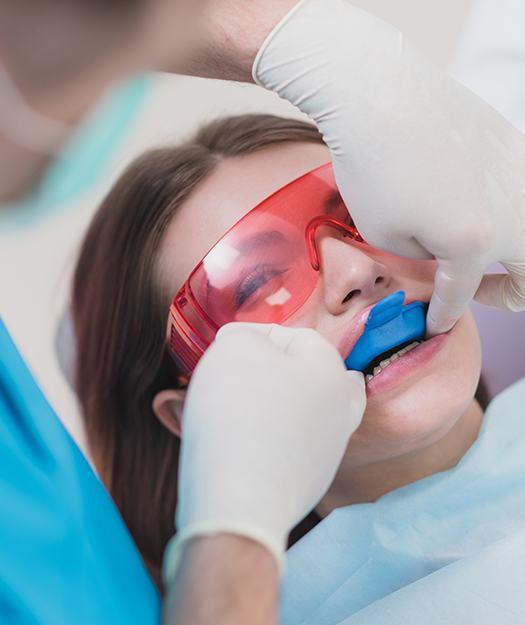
x: 391, y: 330
x: 381, y: 362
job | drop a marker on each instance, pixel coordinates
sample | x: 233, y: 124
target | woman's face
x: 409, y: 406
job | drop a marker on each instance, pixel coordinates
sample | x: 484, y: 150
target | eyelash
x: 249, y: 284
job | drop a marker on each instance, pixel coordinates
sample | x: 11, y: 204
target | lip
x: 356, y: 327
x: 410, y: 365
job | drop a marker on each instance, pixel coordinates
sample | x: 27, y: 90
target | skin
x: 423, y: 425
x: 237, y: 576
x: 212, y: 38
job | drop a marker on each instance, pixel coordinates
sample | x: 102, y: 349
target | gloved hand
x: 266, y: 422
x: 426, y: 168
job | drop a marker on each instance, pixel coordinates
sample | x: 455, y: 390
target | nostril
x: 379, y: 280
x: 350, y: 295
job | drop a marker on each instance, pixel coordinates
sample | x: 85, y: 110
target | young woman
x: 160, y: 219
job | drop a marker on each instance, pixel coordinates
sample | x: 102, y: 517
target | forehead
x: 236, y: 186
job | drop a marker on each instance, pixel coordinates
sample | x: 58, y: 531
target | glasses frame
x: 180, y: 326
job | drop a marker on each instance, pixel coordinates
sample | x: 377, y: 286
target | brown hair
x: 119, y: 316
x: 120, y: 312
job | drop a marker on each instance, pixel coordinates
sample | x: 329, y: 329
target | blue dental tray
x: 389, y: 325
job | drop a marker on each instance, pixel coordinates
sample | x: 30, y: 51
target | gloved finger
x: 454, y: 287
x: 514, y: 287
x: 397, y: 243
x: 357, y: 395
x: 307, y: 343
x: 242, y: 326
x: 279, y: 336
x: 282, y: 337
x: 504, y: 290
x: 357, y: 379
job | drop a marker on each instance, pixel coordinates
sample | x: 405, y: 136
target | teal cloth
x: 66, y: 556
x: 84, y: 158
x: 365, y: 553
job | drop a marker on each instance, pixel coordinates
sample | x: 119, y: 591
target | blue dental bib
x: 389, y: 325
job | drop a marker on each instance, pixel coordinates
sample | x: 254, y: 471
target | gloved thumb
x: 280, y: 336
x: 357, y: 378
x: 293, y: 341
x: 239, y: 326
x: 455, y: 284
x: 357, y: 381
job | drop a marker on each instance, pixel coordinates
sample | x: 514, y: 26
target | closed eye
x: 258, y: 277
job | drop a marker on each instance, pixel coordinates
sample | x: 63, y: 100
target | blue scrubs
x: 447, y: 549
x: 66, y: 556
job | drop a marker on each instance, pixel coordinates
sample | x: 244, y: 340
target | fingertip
x: 238, y: 326
x: 307, y: 344
x: 357, y: 378
x: 357, y: 381
x: 455, y: 284
x: 358, y: 393
x: 439, y: 326
x: 439, y: 320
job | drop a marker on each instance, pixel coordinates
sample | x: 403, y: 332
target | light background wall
x: 435, y: 26
x: 35, y: 266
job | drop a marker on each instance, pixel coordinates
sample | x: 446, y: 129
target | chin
x: 419, y: 402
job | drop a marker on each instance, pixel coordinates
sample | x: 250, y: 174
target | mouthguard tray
x: 390, y: 324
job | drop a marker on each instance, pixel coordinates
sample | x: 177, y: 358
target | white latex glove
x: 426, y: 168
x: 266, y: 422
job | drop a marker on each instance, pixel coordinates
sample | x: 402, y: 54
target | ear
x: 167, y: 406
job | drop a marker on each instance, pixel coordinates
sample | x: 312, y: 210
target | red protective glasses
x: 262, y: 270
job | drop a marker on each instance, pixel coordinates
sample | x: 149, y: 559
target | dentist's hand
x: 266, y: 422
x: 426, y: 168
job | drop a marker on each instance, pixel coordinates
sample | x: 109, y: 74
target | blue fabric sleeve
x: 66, y: 555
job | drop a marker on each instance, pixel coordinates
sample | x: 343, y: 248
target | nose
x: 350, y: 276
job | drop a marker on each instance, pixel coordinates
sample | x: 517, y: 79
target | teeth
x: 384, y: 363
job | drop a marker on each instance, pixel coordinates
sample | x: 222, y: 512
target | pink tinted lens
x: 258, y: 275
x: 260, y: 271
